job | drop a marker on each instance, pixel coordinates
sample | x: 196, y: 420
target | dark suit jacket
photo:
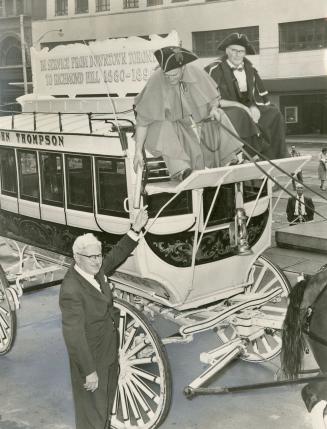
x: 309, y: 208
x: 227, y: 84
x: 89, y: 323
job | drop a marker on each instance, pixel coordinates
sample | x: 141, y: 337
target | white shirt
x: 240, y: 75
x: 296, y: 209
x: 88, y: 277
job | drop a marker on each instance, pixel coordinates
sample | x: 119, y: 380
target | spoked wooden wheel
x: 144, y: 387
x: 268, y: 343
x: 8, y: 324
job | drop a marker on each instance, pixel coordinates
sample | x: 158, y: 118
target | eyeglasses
x: 92, y: 257
x: 238, y: 51
x: 174, y: 72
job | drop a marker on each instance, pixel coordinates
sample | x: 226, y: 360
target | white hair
x: 83, y: 241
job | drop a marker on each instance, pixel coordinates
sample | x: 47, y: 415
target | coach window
x: 79, y: 183
x: 28, y: 175
x: 111, y: 186
x: 8, y: 172
x: 52, y: 179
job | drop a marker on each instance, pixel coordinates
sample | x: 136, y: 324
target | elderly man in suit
x: 245, y: 99
x: 300, y: 208
x: 90, y: 325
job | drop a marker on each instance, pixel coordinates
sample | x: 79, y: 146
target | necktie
x: 300, y: 211
x: 239, y: 68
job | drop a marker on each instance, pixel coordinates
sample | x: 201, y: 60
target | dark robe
x: 90, y: 323
x: 268, y: 136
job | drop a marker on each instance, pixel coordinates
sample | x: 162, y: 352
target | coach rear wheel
x: 8, y: 324
x: 144, y: 388
x: 268, y: 343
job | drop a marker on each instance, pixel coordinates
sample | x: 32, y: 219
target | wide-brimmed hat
x: 172, y: 57
x: 237, y: 39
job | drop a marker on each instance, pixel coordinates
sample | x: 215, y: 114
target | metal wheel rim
x: 7, y: 319
x: 268, y: 345
x: 141, y: 394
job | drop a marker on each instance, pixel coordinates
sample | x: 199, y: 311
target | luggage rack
x: 61, y: 122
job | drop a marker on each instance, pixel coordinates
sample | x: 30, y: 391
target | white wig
x: 83, y: 241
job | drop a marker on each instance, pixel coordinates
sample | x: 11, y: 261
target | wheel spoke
x: 3, y: 334
x: 137, y: 348
x: 122, y: 326
x: 4, y: 311
x: 141, y: 401
x: 3, y: 323
x: 145, y: 388
x: 265, y: 344
x: 268, y: 285
x: 146, y: 375
x: 132, y: 403
x: 143, y: 361
x: 144, y: 391
x: 259, y: 279
x: 129, y: 337
x: 123, y: 403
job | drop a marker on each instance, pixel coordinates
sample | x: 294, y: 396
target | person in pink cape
x: 178, y: 117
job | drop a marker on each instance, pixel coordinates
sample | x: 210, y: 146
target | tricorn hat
x: 237, y: 39
x: 172, y: 57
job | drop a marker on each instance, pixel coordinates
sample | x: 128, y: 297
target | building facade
x: 290, y: 38
x: 15, y: 40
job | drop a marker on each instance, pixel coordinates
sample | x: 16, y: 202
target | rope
x: 265, y: 158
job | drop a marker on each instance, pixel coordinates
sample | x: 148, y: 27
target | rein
x: 308, y: 317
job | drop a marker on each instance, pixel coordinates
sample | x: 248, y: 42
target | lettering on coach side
x: 39, y: 139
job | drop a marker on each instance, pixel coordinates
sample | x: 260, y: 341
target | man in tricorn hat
x: 245, y: 99
x: 170, y: 114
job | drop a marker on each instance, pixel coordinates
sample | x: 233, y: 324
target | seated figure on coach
x: 245, y: 99
x: 172, y: 113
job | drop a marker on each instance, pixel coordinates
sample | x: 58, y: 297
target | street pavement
x: 35, y: 388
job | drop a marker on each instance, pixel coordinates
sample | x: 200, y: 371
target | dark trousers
x: 271, y: 124
x: 93, y: 409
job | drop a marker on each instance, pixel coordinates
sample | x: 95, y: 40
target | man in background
x: 300, y: 208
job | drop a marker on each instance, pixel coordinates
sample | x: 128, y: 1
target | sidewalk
x: 311, y: 139
x: 294, y: 262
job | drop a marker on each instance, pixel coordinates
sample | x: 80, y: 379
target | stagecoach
x: 66, y: 168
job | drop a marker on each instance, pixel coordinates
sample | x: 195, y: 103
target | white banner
x: 115, y: 66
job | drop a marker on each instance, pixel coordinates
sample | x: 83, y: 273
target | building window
x: 291, y: 114
x: 79, y: 183
x: 9, y: 6
x: 28, y: 175
x: 61, y: 7
x: 19, y: 7
x: 13, y: 56
x: 52, y: 179
x: 154, y: 2
x: 303, y: 35
x: 128, y: 4
x: 205, y: 43
x: 8, y: 172
x: 102, y: 5
x: 111, y: 186
x: 81, y: 6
